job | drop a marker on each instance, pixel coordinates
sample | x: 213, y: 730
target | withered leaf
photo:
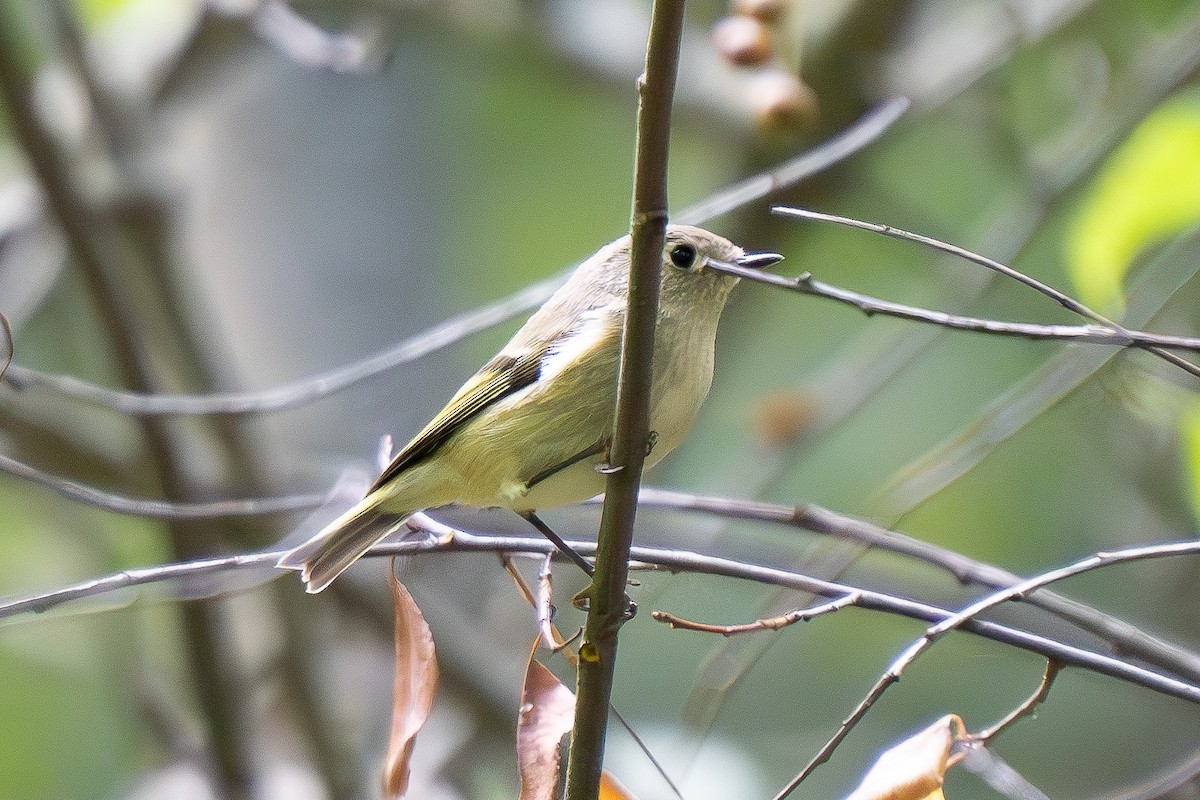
x: 612, y: 789
x: 546, y: 715
x: 916, y: 768
x: 414, y: 687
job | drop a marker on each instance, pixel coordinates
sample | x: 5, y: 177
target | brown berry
x: 742, y: 40
x: 782, y: 416
x: 765, y: 11
x: 781, y: 102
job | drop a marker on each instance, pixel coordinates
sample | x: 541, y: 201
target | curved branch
x: 161, y: 509
x: 1063, y: 299
x: 1115, y: 632
x: 296, y: 393
x: 866, y: 129
x: 962, y: 618
x: 443, y: 539
x: 1093, y: 334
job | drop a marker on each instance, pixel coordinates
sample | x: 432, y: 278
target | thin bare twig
x: 442, y: 539
x: 1025, y: 709
x: 772, y: 624
x: 296, y: 393
x: 956, y: 621
x: 647, y: 752
x: 518, y: 579
x: 46, y: 601
x: 1118, y: 634
x: 161, y: 509
x: 1024, y: 588
x: 869, y: 127
x: 544, y: 607
x: 1063, y: 299
x: 1093, y: 334
x: 1008, y: 413
x: 305, y: 390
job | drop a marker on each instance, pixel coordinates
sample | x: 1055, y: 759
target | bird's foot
x: 583, y: 602
x: 605, y: 468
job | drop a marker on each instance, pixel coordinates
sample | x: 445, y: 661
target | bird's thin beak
x: 759, y: 260
x: 746, y: 266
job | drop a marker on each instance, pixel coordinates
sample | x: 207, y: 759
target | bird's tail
x: 339, y: 544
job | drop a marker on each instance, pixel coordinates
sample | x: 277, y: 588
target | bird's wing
x: 512, y: 370
x: 499, y: 378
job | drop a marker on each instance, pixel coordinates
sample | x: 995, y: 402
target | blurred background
x: 233, y: 195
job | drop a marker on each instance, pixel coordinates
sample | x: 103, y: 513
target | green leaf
x: 98, y: 12
x: 1148, y: 190
x: 1189, y: 433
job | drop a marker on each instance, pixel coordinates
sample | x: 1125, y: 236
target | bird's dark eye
x: 683, y: 256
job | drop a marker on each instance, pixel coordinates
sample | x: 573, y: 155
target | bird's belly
x: 670, y: 421
x: 572, y: 484
x: 511, y: 447
x: 519, y: 438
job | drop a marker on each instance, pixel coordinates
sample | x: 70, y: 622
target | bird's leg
x: 580, y: 600
x: 557, y: 541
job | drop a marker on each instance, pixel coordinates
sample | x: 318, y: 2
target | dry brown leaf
x: 611, y: 788
x: 547, y: 714
x: 915, y: 768
x: 415, y: 684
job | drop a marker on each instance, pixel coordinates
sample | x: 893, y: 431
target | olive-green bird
x: 530, y: 430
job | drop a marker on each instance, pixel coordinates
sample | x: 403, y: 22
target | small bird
x: 531, y: 429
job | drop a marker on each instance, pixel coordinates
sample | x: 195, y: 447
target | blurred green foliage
x: 1149, y: 189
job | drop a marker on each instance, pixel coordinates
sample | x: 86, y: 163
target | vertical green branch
x: 607, y: 600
